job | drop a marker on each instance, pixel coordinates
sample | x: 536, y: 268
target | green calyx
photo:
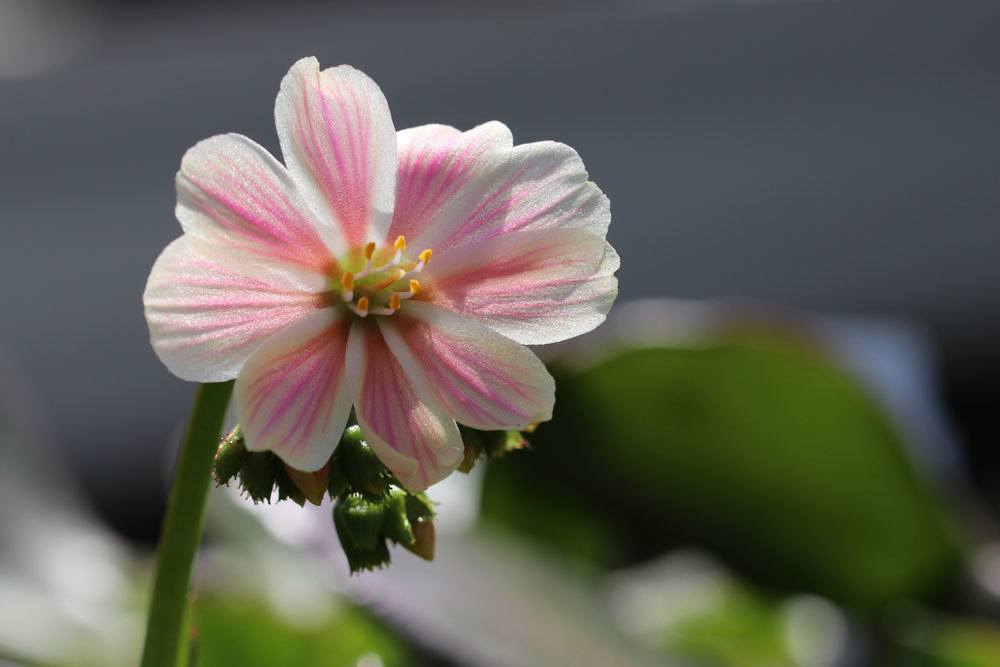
x: 488, y: 444
x: 371, y: 506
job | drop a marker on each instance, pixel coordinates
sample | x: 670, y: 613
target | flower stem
x: 182, y: 526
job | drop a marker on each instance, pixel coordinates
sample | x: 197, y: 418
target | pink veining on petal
x: 288, y: 397
x: 250, y: 202
x: 544, y: 187
x: 443, y: 176
x: 481, y: 378
x: 401, y: 425
x: 535, y: 286
x: 206, y: 317
x: 338, y: 139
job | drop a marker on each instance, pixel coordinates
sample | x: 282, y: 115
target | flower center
x: 383, y: 279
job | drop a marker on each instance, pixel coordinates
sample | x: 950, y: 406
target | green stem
x: 182, y: 525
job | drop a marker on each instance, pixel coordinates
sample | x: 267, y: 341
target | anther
x: 425, y: 256
x: 347, y: 281
x: 400, y: 243
x: 362, y: 307
x: 369, y: 250
x: 414, y: 287
x: 394, y: 301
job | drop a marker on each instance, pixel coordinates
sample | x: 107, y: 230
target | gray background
x: 825, y: 155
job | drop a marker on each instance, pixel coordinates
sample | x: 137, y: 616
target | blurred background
x: 781, y: 449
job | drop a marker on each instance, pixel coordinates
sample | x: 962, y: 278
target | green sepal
x: 397, y: 524
x: 287, y: 488
x: 365, y: 473
x: 337, y: 484
x: 491, y: 444
x: 258, y: 475
x: 229, y: 457
x: 419, y: 507
x: 361, y: 520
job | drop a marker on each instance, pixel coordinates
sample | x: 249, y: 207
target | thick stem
x: 182, y: 525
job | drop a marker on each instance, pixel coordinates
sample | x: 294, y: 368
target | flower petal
x: 340, y: 146
x: 543, y: 186
x: 443, y: 176
x: 232, y: 194
x: 534, y: 287
x: 482, y: 379
x: 291, y: 397
x: 409, y: 431
x: 207, y: 316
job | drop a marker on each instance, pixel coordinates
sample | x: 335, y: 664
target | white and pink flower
x: 313, y: 283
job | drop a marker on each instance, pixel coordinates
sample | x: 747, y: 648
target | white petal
x: 404, y: 425
x: 543, y: 186
x: 340, y: 145
x: 534, y: 287
x: 234, y: 196
x: 291, y: 397
x: 443, y: 177
x: 482, y: 379
x: 206, y: 316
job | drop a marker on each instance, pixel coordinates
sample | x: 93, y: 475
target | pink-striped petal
x: 535, y: 287
x: 411, y: 434
x: 543, y: 186
x: 233, y: 195
x: 443, y: 176
x: 340, y: 146
x: 207, y: 316
x: 291, y: 397
x: 482, y: 379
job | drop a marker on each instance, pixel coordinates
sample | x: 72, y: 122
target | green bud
x: 360, y: 560
x: 336, y: 484
x: 365, y: 473
x: 492, y: 444
x: 499, y: 443
x: 418, y: 506
x: 359, y: 520
x: 230, y: 457
x: 258, y: 475
x: 397, y: 525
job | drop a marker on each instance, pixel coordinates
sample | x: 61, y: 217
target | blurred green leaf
x: 236, y: 631
x: 758, y: 450
x: 941, y: 641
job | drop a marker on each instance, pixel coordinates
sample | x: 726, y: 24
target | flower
x: 401, y: 273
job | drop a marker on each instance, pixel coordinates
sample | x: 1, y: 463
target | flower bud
x: 359, y: 527
x: 230, y: 457
x: 364, y: 471
x: 361, y: 520
x: 258, y: 475
x: 397, y: 524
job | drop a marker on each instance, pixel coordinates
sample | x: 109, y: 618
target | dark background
x: 838, y: 156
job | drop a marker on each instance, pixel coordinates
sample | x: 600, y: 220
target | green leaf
x: 758, y: 450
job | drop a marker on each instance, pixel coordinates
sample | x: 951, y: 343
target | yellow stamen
x: 347, y: 280
x: 394, y: 301
x: 363, y: 304
x: 400, y: 243
x: 369, y: 250
x: 425, y: 256
x: 414, y: 287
